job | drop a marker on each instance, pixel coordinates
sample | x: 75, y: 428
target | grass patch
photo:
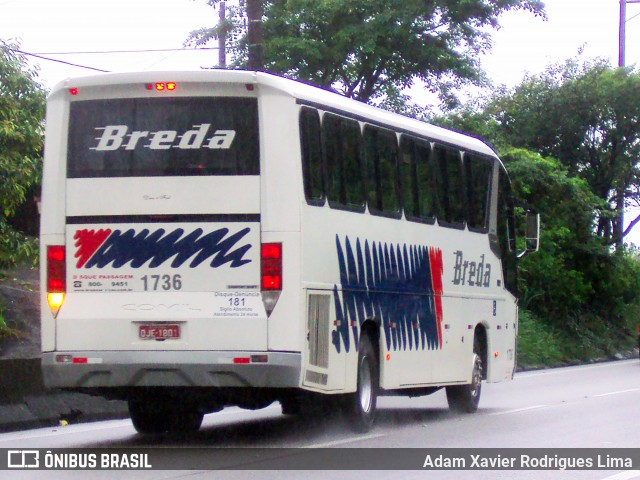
x: 539, y: 345
x: 582, y: 340
x: 3, y: 322
x: 5, y: 330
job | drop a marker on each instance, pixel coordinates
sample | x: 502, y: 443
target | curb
x: 25, y: 402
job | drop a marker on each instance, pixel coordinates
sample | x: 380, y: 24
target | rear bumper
x: 109, y: 369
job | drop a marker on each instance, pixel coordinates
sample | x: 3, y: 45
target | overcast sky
x: 523, y: 44
x: 526, y: 43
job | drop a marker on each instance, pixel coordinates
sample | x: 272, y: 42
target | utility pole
x: 620, y: 194
x: 222, y: 38
x: 255, y: 35
x: 622, y: 34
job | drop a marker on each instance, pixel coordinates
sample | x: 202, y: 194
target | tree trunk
x: 255, y: 37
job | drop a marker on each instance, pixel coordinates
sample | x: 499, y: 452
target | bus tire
x: 360, y: 406
x: 294, y: 404
x: 153, y: 417
x: 465, y: 398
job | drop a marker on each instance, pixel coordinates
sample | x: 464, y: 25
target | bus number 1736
x: 162, y: 282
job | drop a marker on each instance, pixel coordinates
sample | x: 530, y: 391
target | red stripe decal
x: 87, y: 242
x: 437, y: 270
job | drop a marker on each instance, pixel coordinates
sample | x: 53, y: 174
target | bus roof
x: 302, y: 92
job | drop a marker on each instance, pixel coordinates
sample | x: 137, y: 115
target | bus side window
x: 310, y: 139
x: 506, y: 233
x: 381, y: 161
x: 450, y: 207
x: 416, y: 174
x: 478, y: 173
x: 343, y: 162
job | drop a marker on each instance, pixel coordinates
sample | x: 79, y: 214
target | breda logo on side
x: 115, y: 137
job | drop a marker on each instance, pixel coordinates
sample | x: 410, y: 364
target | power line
x: 41, y: 56
x: 100, y: 52
x: 60, y: 61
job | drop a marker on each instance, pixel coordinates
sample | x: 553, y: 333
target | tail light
x: 271, y: 256
x: 271, y: 274
x: 56, y: 277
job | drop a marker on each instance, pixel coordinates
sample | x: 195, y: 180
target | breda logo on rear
x: 116, y: 137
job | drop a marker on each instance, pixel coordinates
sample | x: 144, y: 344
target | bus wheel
x: 155, y: 416
x: 295, y: 404
x: 465, y: 398
x: 360, y: 406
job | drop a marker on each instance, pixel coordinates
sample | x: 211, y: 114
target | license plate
x: 159, y: 332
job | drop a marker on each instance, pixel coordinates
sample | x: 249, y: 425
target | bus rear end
x: 156, y: 286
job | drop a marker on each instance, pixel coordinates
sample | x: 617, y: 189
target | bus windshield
x: 140, y: 137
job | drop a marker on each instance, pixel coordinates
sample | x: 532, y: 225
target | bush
x: 539, y: 344
x: 584, y: 338
x: 22, y: 108
x: 16, y: 248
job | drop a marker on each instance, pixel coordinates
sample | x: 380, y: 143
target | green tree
x: 566, y: 205
x: 586, y: 116
x: 372, y: 49
x: 22, y: 106
x: 575, y: 292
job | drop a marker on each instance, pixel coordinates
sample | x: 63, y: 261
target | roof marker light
x: 161, y: 86
x: 73, y: 91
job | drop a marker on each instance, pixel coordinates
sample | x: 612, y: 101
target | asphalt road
x: 595, y: 406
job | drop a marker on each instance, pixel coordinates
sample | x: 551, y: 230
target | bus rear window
x: 135, y: 137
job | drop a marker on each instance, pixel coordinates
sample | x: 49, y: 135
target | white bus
x: 225, y: 238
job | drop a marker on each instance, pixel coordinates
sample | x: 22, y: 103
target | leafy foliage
x: 370, y: 49
x: 586, y: 116
x: 559, y: 140
x: 22, y: 105
x: 539, y: 345
x: 565, y: 205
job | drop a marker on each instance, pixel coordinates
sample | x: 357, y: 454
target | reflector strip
x: 64, y: 358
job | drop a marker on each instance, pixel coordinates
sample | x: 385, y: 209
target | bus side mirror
x: 532, y: 234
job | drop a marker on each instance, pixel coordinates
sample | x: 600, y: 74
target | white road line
x: 518, y: 410
x: 628, y: 475
x: 345, y: 440
x: 556, y: 371
x: 535, y: 407
x: 617, y: 393
x: 62, y: 430
x: 73, y: 429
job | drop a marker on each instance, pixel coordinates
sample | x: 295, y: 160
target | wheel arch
x: 371, y: 328
x: 480, y: 336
